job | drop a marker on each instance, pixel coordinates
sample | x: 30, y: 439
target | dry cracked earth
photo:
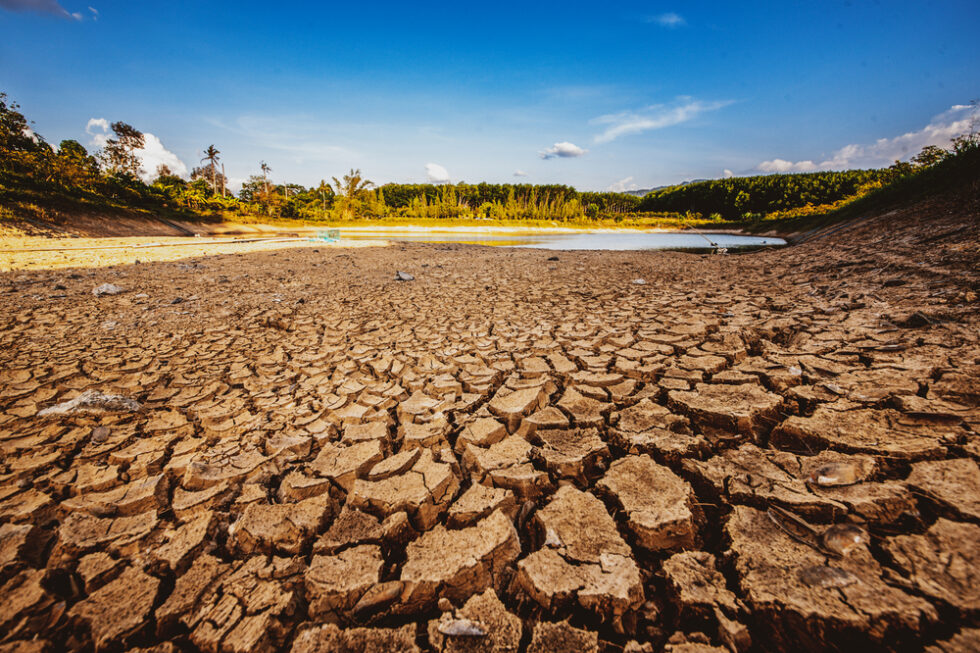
x: 515, y: 451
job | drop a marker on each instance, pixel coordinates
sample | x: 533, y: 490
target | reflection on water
x: 577, y: 240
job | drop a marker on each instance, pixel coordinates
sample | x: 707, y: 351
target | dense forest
x: 36, y: 177
x: 735, y: 197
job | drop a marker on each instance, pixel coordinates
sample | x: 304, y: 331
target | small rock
x: 461, y: 628
x: 378, y: 597
x: 107, y: 289
x: 824, y: 576
x: 843, y: 538
x: 639, y: 282
x: 403, y: 276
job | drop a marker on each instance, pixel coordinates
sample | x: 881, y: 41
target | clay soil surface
x: 18, y: 252
x: 517, y: 450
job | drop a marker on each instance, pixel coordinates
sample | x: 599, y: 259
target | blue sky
x: 613, y: 95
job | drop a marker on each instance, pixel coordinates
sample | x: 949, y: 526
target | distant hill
x: 644, y: 191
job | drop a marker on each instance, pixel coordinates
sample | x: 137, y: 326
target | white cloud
x: 669, y: 19
x: 98, y: 129
x: 436, y: 173
x: 623, y: 185
x: 520, y: 173
x: 656, y: 116
x: 959, y: 119
x: 784, y: 166
x: 38, y: 6
x: 728, y: 174
x: 95, y: 13
x: 564, y: 150
x: 151, y: 155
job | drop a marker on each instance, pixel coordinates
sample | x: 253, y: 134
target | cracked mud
x: 508, y: 453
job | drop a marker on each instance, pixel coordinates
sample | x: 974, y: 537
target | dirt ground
x: 518, y: 450
x: 38, y: 253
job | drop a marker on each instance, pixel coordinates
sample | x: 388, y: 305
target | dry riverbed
x: 38, y: 253
x: 515, y: 451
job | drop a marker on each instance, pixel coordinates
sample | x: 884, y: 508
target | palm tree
x: 352, y: 185
x: 349, y: 189
x: 323, y: 187
x: 265, y: 174
x: 211, y: 155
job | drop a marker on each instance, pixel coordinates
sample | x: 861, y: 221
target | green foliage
x: 118, y: 156
x: 734, y: 197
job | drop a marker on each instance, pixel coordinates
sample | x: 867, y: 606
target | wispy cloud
x: 564, y: 150
x: 669, y: 20
x: 623, y: 185
x: 51, y: 7
x: 300, y: 137
x: 656, y: 116
x: 728, y: 174
x: 520, y: 173
x: 95, y: 13
x: 436, y: 174
x: 959, y: 119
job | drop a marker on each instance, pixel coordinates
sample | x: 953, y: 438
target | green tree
x: 349, y: 191
x: 929, y: 156
x: 742, y: 201
x: 15, y: 132
x: 324, y: 190
x: 119, y: 153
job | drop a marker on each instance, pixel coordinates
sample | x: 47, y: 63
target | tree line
x: 32, y: 168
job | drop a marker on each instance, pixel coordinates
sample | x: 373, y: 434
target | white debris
x: 461, y: 628
x: 106, y: 289
x: 93, y: 401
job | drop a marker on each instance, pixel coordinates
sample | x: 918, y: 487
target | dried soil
x: 509, y: 453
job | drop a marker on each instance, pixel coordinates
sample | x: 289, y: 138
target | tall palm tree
x: 323, y: 187
x: 265, y: 174
x: 211, y: 155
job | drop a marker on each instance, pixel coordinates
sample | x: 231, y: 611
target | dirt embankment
x: 515, y: 451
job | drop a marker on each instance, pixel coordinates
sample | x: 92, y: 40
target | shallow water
x: 545, y: 239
